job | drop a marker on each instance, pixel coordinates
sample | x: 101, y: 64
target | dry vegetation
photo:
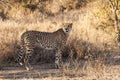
x: 92, y: 37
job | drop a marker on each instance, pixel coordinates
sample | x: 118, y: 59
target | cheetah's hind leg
x: 27, y: 59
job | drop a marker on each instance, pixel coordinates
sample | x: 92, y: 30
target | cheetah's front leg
x: 58, y: 59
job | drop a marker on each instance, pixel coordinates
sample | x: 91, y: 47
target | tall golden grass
x: 86, y: 37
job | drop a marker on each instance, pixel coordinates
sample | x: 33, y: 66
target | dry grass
x: 84, y: 29
x: 89, y: 39
x: 22, y: 8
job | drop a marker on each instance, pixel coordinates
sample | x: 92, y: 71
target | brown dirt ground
x: 48, y: 72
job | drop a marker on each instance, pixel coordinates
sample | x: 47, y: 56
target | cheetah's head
x: 67, y: 27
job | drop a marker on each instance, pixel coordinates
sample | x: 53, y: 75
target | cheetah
x: 47, y: 40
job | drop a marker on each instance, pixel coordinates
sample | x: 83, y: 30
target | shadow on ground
x: 39, y: 72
